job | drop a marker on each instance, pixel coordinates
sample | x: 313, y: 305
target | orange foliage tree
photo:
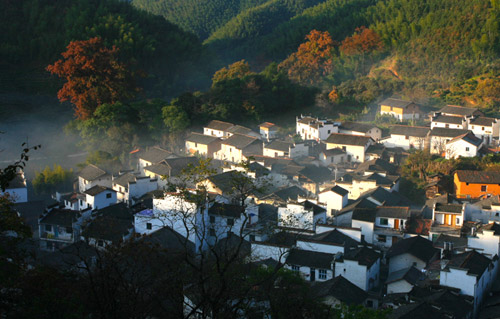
x: 363, y: 41
x: 94, y: 76
x: 312, y: 60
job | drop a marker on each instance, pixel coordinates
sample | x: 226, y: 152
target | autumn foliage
x: 312, y: 60
x: 93, y: 75
x: 362, y: 41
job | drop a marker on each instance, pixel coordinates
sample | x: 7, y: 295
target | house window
x: 458, y: 220
x: 81, y: 202
x: 384, y: 221
x: 482, y: 128
x: 275, y: 154
x: 149, y: 226
x: 369, y: 303
x: 195, y: 144
x: 344, y: 148
x: 382, y: 238
x: 295, y: 268
x: 483, y: 188
x: 212, y: 232
x: 108, y: 195
x: 48, y: 227
x: 467, y: 149
x: 69, y: 230
x: 331, y: 159
x: 407, y: 137
x: 230, y: 222
x: 447, y: 125
x: 100, y: 243
x: 322, y: 274
x: 252, y: 237
x: 328, y: 131
x: 212, y: 219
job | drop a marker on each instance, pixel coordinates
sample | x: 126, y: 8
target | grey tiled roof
x: 448, y: 119
x: 347, y: 139
x: 219, y: 125
x: 458, y: 110
x: 395, y: 102
x: 97, y: 189
x: 341, y: 289
x: 60, y: 217
x: 308, y: 258
x: 482, y: 121
x: 416, y: 246
x: 240, y: 141
x: 155, y: 155
x: 415, y: 131
x: 356, y: 127
x: 474, y: 262
x: 91, y: 172
x: 201, y: 138
x: 447, y: 132
x: 279, y: 146
x: 478, y: 177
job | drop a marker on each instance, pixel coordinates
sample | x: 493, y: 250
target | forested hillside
x: 35, y: 32
x: 201, y: 17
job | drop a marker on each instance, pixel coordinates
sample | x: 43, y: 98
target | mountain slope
x: 201, y: 17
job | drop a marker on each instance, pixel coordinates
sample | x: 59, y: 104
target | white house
x: 447, y: 121
x: 130, y: 187
x: 361, y: 129
x: 400, y: 109
x: 153, y: 155
x: 472, y: 273
x: 466, y: 145
x: 403, y: 281
x: 99, y: 197
x: 286, y: 149
x: 354, y: 145
x: 414, y: 251
x: 303, y: 215
x: 268, y: 130
x: 448, y: 214
x: 389, y: 225
x: 486, y: 239
x: 332, y: 156
x: 91, y: 176
x: 204, y: 145
x: 486, y: 128
x: 315, y: 129
x: 335, y: 199
x: 357, y: 184
x: 406, y: 137
x: 217, y: 128
x: 312, y: 265
x: 59, y: 228
x: 238, y: 148
x: 484, y: 211
x: 361, y: 266
x: 440, y: 136
x: 17, y: 189
x: 339, y: 291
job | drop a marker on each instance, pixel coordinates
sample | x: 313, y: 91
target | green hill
x: 35, y: 32
x: 201, y: 17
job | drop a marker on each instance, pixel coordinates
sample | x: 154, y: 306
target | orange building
x: 476, y: 184
x: 400, y: 109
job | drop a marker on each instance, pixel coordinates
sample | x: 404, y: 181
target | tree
x: 362, y: 42
x: 93, y: 75
x: 237, y: 70
x: 51, y: 180
x: 312, y: 60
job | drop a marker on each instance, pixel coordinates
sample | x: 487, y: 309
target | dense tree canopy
x: 93, y: 76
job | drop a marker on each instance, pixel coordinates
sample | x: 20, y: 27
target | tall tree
x: 362, y: 42
x: 93, y: 75
x: 312, y: 60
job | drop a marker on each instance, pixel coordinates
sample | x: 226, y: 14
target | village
x: 325, y: 202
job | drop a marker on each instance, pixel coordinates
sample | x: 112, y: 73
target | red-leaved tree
x: 312, y: 60
x: 362, y: 42
x: 94, y: 76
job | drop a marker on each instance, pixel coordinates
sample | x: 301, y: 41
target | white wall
x: 83, y: 184
x: 400, y: 286
x: 366, y: 229
x: 460, y: 148
x: 404, y: 261
x: 333, y: 201
x: 17, y: 195
x: 487, y: 242
x: 101, y: 200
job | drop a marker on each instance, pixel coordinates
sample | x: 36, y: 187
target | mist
x: 37, y: 120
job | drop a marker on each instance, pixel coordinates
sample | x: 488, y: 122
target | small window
x: 382, y: 238
x: 344, y: 148
x: 69, y: 230
x: 212, y: 232
x: 384, y: 221
x: 458, y: 220
x: 100, y: 243
x: 467, y: 149
x: 149, y: 226
x: 108, y: 195
x: 482, y: 128
x: 230, y: 222
x: 212, y: 219
x: 295, y: 268
x: 195, y: 144
x: 48, y: 227
x: 331, y: 159
x: 275, y: 154
x: 328, y: 131
x: 322, y: 274
x: 252, y: 237
x: 81, y: 202
x: 483, y: 188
